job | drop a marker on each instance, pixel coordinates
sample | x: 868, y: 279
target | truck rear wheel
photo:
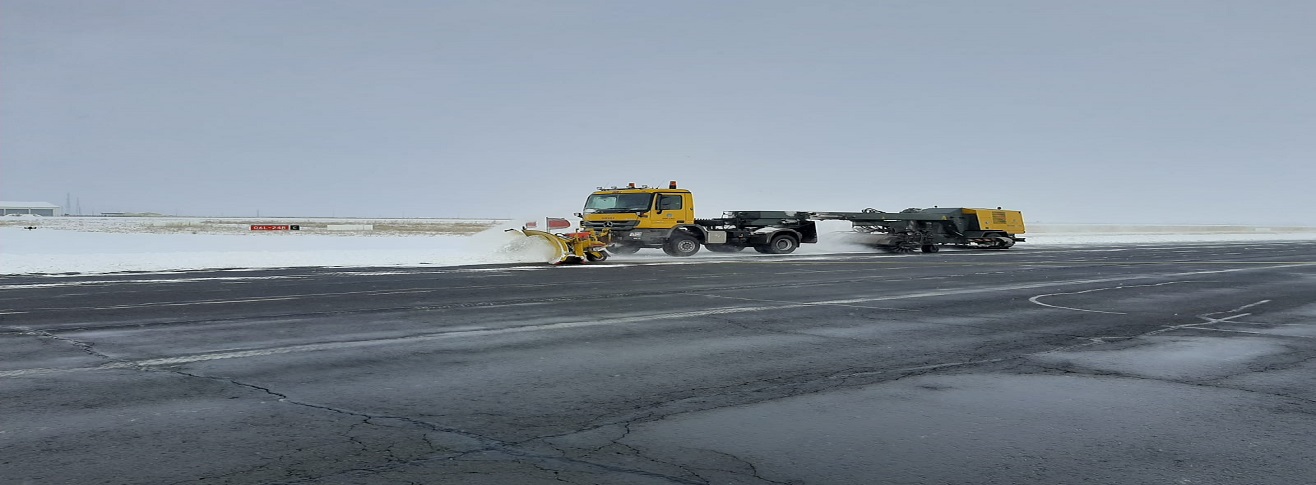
x: 1000, y: 240
x: 779, y: 244
x: 681, y: 244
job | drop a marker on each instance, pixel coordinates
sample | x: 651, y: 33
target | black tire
x: 596, y: 256
x: 999, y: 240
x: 623, y: 248
x: 782, y: 244
x: 930, y: 248
x: 724, y: 248
x: 680, y: 244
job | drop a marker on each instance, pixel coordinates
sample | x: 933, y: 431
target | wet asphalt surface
x: 1182, y: 364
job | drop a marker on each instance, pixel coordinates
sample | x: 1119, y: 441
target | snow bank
x: 61, y: 251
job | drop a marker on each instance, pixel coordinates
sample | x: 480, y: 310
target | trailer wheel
x: 781, y: 244
x: 681, y: 244
x: 930, y: 248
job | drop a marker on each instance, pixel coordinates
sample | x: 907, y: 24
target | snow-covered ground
x: 105, y: 245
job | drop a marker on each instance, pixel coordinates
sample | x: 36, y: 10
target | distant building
x: 35, y: 208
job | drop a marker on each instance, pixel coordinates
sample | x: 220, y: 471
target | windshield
x: 618, y: 203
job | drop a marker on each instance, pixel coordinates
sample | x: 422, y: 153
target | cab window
x: 669, y: 202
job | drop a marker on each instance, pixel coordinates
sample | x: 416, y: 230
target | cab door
x: 673, y: 209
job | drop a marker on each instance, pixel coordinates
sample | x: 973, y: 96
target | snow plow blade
x: 570, y: 248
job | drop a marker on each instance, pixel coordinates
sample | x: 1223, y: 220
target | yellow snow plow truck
x: 630, y: 218
x: 623, y: 220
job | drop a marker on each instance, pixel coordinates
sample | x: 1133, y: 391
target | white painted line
x: 144, y: 281
x: 1196, y: 327
x: 1249, y: 305
x: 915, y: 369
x: 1034, y: 300
x: 796, y: 304
x: 45, y: 371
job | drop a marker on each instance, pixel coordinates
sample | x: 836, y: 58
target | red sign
x: 267, y: 227
x: 551, y: 223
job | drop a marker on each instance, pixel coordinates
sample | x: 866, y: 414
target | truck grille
x: 614, y: 225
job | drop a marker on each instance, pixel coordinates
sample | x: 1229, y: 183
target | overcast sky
x: 1107, y: 111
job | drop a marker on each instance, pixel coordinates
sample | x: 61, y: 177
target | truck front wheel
x: 681, y: 244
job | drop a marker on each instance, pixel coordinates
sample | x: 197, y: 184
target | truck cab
x: 638, y: 208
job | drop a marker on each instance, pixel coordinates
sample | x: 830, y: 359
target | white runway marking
x: 146, y: 281
x: 1121, y: 287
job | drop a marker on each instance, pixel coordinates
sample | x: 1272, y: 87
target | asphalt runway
x: 1170, y: 363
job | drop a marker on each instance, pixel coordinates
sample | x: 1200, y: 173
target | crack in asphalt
x: 1208, y: 383
x: 284, y: 398
x: 753, y: 470
x: 1088, y: 371
x: 641, y: 454
x: 86, y: 347
x: 487, y: 444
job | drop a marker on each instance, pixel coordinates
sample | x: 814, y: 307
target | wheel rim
x: 783, y: 244
x: 686, y: 246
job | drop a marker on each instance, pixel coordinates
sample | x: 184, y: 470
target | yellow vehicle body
x: 1008, y: 221
x: 649, y: 208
